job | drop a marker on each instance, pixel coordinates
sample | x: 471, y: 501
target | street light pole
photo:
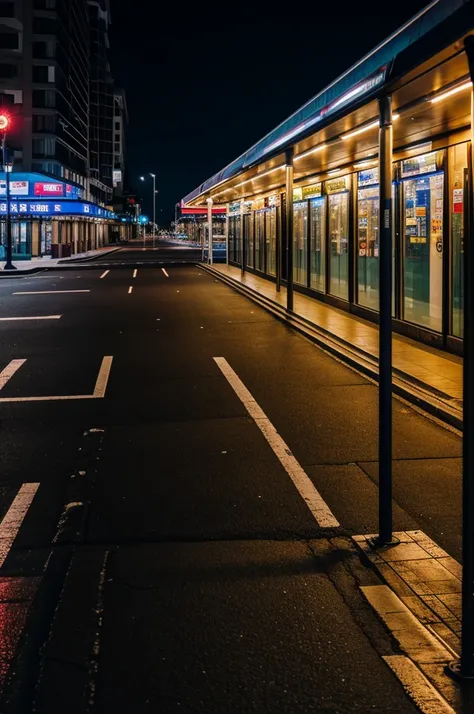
x: 142, y: 178
x: 154, y: 207
x: 4, y: 123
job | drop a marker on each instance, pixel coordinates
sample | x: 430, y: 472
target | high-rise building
x: 56, y: 84
x: 101, y: 103
x: 120, y: 123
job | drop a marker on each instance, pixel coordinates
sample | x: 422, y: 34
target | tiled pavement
x: 433, y: 368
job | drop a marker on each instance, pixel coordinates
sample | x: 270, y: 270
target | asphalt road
x: 167, y: 562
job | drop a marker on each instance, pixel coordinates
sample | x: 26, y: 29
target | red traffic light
x: 4, y: 122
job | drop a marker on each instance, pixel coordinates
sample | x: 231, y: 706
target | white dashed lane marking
x: 33, y: 317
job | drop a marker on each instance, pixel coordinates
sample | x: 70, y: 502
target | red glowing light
x: 4, y: 122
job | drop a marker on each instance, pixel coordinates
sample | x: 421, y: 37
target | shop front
x: 45, y: 214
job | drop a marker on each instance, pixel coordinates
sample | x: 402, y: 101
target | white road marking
x: 418, y: 643
x: 418, y: 688
x: 130, y: 289
x: 14, y: 517
x: 135, y: 273
x: 10, y: 370
x: 165, y: 272
x: 33, y: 317
x: 103, y: 378
x: 49, y: 292
x: 104, y: 274
x: 99, y: 390
x: 318, y: 507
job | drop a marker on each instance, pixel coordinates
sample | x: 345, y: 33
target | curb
x: 4, y: 275
x: 404, y: 385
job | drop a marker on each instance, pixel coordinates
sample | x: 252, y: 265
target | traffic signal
x: 4, y: 122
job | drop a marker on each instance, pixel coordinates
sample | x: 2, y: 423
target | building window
x: 45, y: 4
x: 9, y: 41
x: 7, y: 71
x: 44, y: 25
x: 43, y: 50
x: 117, y: 126
x: 7, y: 9
x: 40, y: 73
x: 44, y: 122
x: 44, y: 147
x: 44, y: 98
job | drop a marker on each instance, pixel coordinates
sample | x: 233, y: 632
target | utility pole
x: 4, y: 124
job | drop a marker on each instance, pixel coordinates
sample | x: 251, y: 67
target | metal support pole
x: 385, y: 331
x: 242, y: 249
x: 8, y: 263
x: 464, y: 668
x: 154, y: 207
x: 209, y: 228
x: 278, y: 251
x: 289, y: 228
x: 227, y: 233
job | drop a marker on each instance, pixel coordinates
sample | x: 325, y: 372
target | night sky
x: 203, y: 84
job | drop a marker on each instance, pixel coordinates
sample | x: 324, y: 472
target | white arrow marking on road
x: 165, y: 272
x: 311, y: 496
x: 135, y: 273
x: 49, y: 292
x: 104, y: 274
x: 130, y: 289
x: 10, y: 370
x: 14, y: 517
x: 33, y: 317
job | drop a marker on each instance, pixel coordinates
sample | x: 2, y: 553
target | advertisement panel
x: 17, y: 188
x: 49, y: 189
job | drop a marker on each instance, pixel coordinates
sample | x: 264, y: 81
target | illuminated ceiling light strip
x: 310, y: 151
x: 367, y: 127
x: 363, y: 164
x: 450, y: 92
x: 257, y: 176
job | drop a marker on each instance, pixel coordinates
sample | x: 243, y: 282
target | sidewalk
x: 430, y: 373
x: 35, y: 264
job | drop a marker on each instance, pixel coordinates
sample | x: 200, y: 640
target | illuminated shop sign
x: 424, y: 164
x: 274, y: 200
x: 50, y: 208
x: 49, y: 189
x: 297, y: 193
x: 202, y: 211
x: 336, y: 185
x: 312, y: 191
x: 368, y: 177
x: 17, y: 188
x: 258, y: 204
x: 234, y: 207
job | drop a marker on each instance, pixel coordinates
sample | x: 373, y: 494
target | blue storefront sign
x: 56, y: 208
